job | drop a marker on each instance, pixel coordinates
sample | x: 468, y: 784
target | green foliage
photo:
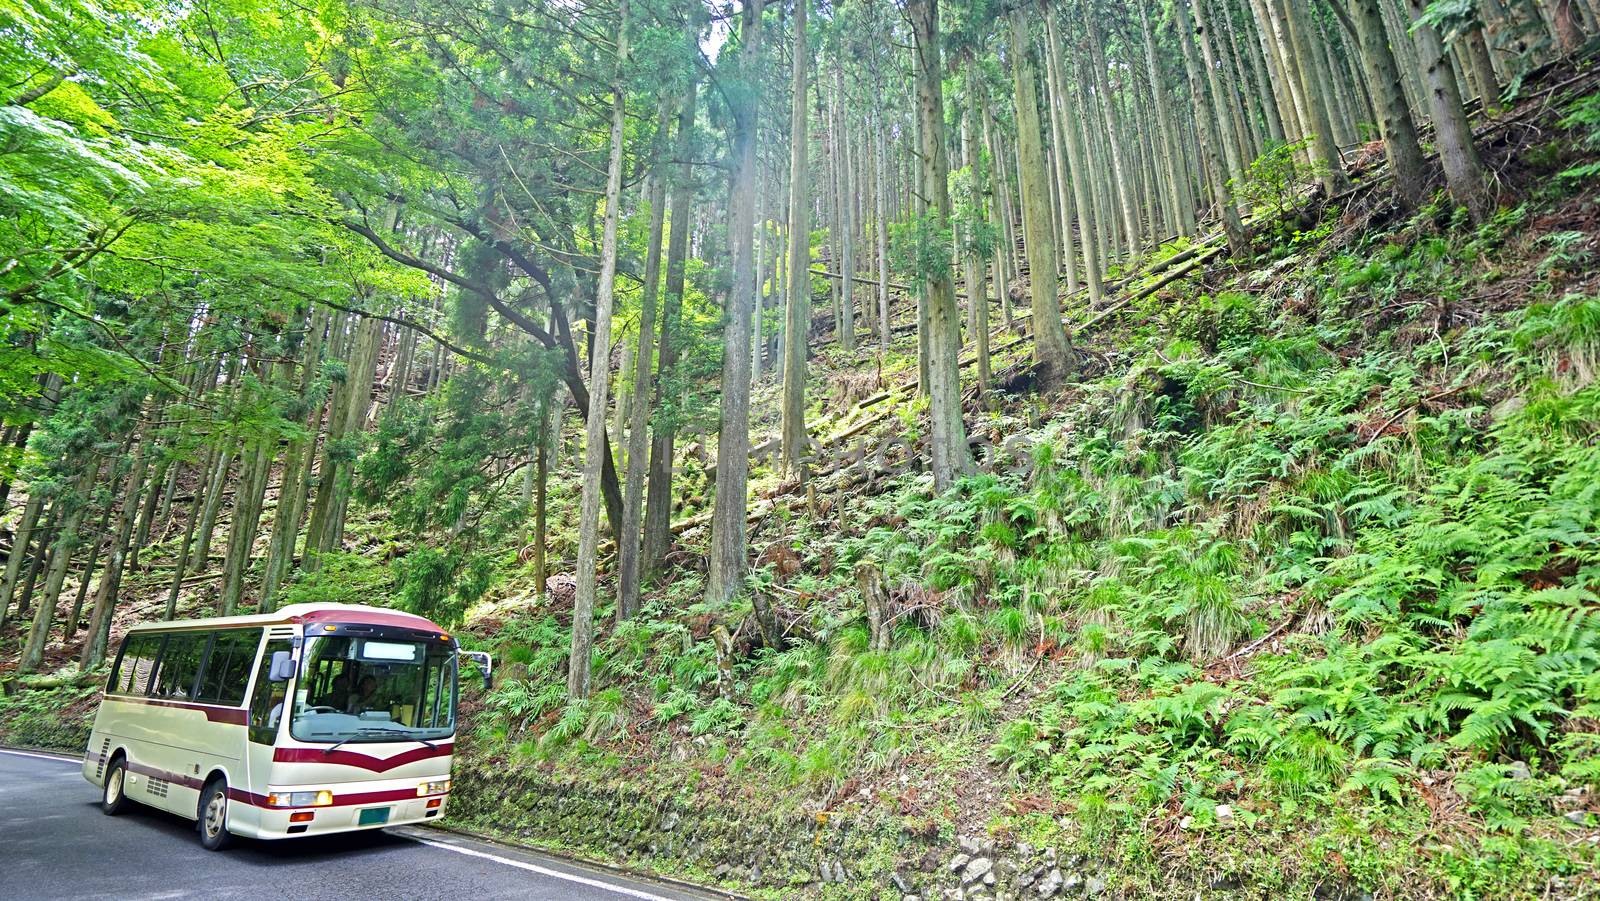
x: 1583, y: 117
x: 341, y: 578
x: 920, y: 248
x: 1275, y: 179
x: 57, y: 718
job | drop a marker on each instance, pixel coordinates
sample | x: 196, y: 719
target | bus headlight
x: 433, y: 788
x: 321, y: 798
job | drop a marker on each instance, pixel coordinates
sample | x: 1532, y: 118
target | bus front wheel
x: 214, y: 835
x: 114, y: 797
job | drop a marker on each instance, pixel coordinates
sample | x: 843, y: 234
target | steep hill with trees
x: 1162, y: 433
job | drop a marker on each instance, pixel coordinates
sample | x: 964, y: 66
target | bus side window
x: 227, y: 667
x: 267, y: 704
x: 132, y: 676
x: 180, y: 665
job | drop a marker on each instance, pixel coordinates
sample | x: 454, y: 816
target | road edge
x: 491, y: 841
x: 599, y: 866
x: 57, y: 753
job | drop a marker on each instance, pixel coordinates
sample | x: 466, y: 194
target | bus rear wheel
x: 214, y: 834
x: 114, y: 795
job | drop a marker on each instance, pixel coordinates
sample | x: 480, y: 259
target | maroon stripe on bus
x: 245, y: 797
x: 355, y: 798
x: 364, y: 761
x: 234, y: 716
x: 348, y: 799
x: 352, y: 799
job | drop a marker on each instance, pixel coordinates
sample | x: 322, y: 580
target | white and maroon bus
x: 317, y: 718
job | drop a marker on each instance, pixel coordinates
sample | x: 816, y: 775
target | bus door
x: 269, y: 710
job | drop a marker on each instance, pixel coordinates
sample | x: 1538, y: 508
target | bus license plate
x: 373, y: 817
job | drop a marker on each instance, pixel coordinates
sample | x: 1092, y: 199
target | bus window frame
x: 157, y: 672
x: 158, y: 659
x: 449, y: 697
x: 205, y: 664
x: 259, y: 677
x: 155, y: 665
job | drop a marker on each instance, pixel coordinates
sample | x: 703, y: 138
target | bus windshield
x: 374, y: 689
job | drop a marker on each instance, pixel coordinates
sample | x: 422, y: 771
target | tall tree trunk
x: 1277, y: 75
x: 952, y: 459
x: 247, y: 505
x: 630, y: 537
x: 977, y: 184
x: 658, y: 490
x: 105, y: 595
x: 881, y: 229
x: 97, y: 543
x: 1050, y: 349
x: 797, y: 318
x: 1481, y: 66
x: 1260, y: 58
x: 1463, y: 170
x: 727, y: 563
x: 1072, y: 115
x: 847, y: 260
x: 1225, y: 104
x: 44, y: 536
x: 1206, y: 125
x: 757, y: 340
x: 1065, y: 212
x: 18, y: 441
x: 1122, y: 188
x: 1341, y: 106
x: 346, y: 414
x: 999, y: 213
x: 75, y: 505
x: 27, y: 526
x: 216, y: 490
x: 828, y: 202
x: 578, y: 666
x: 1568, y: 24
x: 545, y: 438
x: 365, y: 369
x: 179, y: 566
x: 297, y: 468
x: 1172, y: 176
x: 1254, y: 119
x: 1299, y: 35
x: 1394, y: 118
x: 141, y: 531
x: 1397, y: 22
x: 1097, y: 163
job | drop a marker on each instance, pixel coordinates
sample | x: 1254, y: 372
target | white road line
x: 544, y: 871
x: 54, y: 757
x: 470, y: 852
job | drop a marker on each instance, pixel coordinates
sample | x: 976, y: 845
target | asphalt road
x: 56, y: 844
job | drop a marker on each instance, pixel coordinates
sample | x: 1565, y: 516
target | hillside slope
x: 1290, y: 588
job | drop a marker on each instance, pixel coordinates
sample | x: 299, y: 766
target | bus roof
x: 302, y: 613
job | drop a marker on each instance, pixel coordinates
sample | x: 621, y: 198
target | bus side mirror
x: 485, y: 665
x: 282, y: 669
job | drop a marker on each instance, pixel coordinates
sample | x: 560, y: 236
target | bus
x: 314, y: 719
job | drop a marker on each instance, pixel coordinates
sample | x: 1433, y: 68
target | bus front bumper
x: 356, y: 808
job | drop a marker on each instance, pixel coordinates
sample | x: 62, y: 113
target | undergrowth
x: 1317, y: 560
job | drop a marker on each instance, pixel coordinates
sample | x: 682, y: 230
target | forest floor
x: 1295, y: 580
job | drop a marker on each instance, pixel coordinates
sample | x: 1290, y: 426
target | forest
x: 1151, y: 445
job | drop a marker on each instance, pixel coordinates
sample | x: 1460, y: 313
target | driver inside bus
x: 366, y: 697
x: 338, y: 696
